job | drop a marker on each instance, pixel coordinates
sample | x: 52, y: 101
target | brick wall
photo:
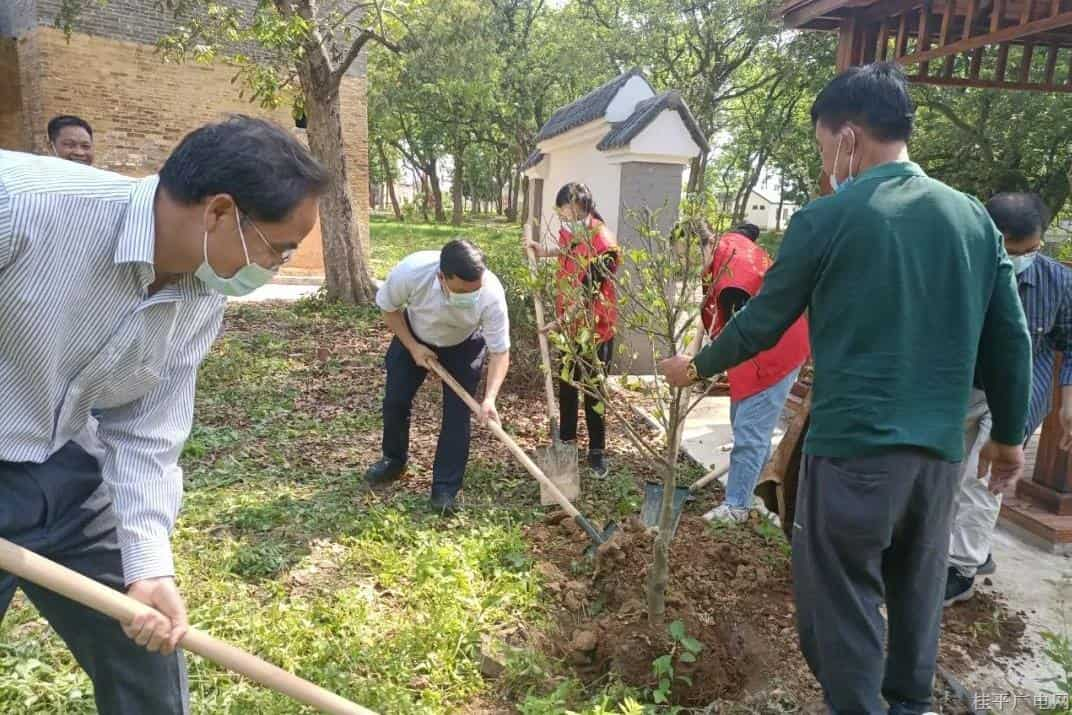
x: 138, y: 21
x: 141, y: 107
x: 11, y: 125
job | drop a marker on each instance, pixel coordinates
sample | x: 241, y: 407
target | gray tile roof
x: 586, y: 109
x: 645, y: 113
x: 534, y: 158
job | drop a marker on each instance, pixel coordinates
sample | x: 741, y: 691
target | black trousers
x: 464, y: 362
x: 568, y: 403
x: 866, y: 531
x: 61, y: 510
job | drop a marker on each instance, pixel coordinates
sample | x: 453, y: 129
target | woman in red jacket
x: 588, y: 258
x: 734, y: 269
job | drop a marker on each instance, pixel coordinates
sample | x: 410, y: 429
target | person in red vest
x: 588, y: 258
x: 734, y: 267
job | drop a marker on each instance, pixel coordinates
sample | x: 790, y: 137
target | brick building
x: 140, y: 107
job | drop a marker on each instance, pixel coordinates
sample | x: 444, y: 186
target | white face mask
x: 247, y: 279
x: 1023, y: 262
x: 460, y: 300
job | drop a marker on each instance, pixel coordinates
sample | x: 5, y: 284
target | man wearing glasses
x: 111, y: 292
x: 1045, y: 288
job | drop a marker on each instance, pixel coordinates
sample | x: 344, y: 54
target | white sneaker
x: 726, y: 514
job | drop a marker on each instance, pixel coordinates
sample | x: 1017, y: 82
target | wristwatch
x: 692, y: 372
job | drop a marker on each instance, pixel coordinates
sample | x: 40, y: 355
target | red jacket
x: 739, y: 263
x: 573, y: 263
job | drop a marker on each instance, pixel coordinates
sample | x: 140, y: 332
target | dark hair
x: 748, y: 229
x: 693, y: 228
x: 265, y: 169
x: 577, y: 193
x: 1019, y: 215
x: 56, y: 124
x: 461, y: 259
x: 874, y: 96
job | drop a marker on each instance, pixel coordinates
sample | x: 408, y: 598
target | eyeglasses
x: 281, y: 258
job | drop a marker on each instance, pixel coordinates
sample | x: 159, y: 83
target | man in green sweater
x: 907, y: 288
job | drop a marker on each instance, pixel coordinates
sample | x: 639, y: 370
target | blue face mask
x: 1023, y: 262
x: 461, y: 300
x: 839, y: 186
x: 247, y: 279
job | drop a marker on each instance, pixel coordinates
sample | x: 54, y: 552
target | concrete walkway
x: 1023, y: 579
x: 278, y: 291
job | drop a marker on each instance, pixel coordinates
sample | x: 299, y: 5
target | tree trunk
x: 696, y: 175
x: 658, y: 575
x: 511, y: 204
x: 424, y: 197
x: 346, y: 273
x: 437, y: 193
x: 390, y: 181
x: 524, y: 200
x: 781, y: 203
x: 456, y: 191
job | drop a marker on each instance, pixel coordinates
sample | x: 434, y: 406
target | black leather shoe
x: 597, y: 463
x: 443, y: 504
x: 385, y: 471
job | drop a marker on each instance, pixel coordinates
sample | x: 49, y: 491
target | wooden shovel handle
x: 545, y: 350
x: 497, y: 430
x: 708, y: 478
x: 45, y: 573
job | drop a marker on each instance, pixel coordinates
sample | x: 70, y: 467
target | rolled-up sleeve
x: 7, y: 227
x: 394, y: 292
x: 495, y: 323
x: 142, y: 441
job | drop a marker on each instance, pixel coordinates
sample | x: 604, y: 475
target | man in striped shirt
x: 110, y: 296
x: 1045, y: 288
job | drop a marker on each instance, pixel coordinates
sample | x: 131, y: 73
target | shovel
x: 558, y: 461
x: 48, y: 574
x: 653, y: 491
x: 653, y: 498
x: 597, y: 537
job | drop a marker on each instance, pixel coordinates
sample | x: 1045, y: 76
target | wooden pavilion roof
x: 1007, y: 44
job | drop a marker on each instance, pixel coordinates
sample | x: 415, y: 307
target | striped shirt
x: 79, y: 332
x: 1046, y: 294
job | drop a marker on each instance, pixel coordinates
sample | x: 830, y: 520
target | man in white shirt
x: 442, y: 306
x: 111, y: 293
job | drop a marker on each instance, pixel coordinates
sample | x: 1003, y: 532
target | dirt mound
x: 984, y: 628
x: 729, y: 588
x: 732, y: 590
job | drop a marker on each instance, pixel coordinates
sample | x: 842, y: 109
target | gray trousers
x: 60, y: 510
x: 871, y: 530
x: 975, y: 509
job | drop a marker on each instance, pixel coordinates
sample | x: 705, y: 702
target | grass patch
x: 392, y: 241
x: 279, y: 552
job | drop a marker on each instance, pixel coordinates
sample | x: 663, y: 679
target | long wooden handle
x: 497, y: 430
x: 708, y: 478
x: 545, y: 350
x: 48, y: 574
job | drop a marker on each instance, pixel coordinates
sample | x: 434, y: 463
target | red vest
x: 573, y: 262
x: 739, y: 263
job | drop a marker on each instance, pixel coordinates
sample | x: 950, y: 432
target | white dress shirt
x: 79, y: 331
x: 414, y: 285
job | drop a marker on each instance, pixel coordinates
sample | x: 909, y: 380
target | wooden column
x: 1050, y: 486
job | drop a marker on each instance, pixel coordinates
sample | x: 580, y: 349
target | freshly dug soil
x: 729, y: 587
x: 732, y: 590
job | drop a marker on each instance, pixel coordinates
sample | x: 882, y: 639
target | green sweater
x: 908, y: 289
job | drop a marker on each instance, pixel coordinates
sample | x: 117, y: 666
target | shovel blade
x: 559, y: 463
x: 599, y: 539
x: 653, y: 504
